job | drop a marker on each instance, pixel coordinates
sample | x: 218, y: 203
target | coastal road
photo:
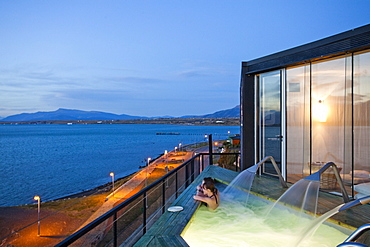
x: 131, y: 187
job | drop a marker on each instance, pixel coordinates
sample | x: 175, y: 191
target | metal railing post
x: 192, y: 170
x: 115, y: 237
x: 163, y: 195
x: 186, y: 176
x: 176, y: 184
x: 144, y: 213
x: 202, y: 161
x: 210, y: 149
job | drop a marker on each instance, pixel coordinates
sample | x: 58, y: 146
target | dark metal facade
x: 347, y: 42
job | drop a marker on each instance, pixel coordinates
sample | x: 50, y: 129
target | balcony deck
x: 166, y: 231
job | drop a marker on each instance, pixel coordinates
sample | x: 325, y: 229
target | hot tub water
x: 237, y: 224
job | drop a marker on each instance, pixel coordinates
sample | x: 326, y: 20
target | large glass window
x: 361, y: 120
x: 327, y: 120
x: 270, y: 118
x: 328, y: 93
x: 298, y: 122
x: 318, y: 117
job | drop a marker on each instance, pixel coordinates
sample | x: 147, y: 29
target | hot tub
x: 235, y: 224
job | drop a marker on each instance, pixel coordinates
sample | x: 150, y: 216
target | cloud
x: 195, y: 73
x: 92, y: 95
x: 113, y: 90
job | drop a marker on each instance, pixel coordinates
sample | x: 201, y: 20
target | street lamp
x: 146, y: 180
x: 149, y: 161
x: 180, y: 147
x: 37, y: 198
x: 146, y: 172
x: 112, y: 175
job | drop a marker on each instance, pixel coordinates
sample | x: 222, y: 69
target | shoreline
x: 96, y: 190
x: 61, y: 217
x: 101, y: 188
x: 18, y: 224
x: 227, y: 121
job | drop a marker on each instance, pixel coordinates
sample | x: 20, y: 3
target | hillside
x: 68, y: 114
x: 229, y: 113
x: 75, y: 115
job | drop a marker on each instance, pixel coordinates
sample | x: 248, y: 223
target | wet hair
x: 209, y: 184
x: 208, y: 179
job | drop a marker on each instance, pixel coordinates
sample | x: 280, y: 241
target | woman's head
x: 209, y: 179
x: 209, y: 185
x: 210, y: 189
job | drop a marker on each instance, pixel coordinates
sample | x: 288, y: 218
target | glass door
x: 270, y: 135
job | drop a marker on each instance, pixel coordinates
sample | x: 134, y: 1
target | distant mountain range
x: 233, y: 112
x: 68, y: 114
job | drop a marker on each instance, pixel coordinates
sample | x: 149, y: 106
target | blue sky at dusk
x: 150, y: 58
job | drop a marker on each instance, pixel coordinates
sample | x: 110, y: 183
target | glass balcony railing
x: 128, y: 221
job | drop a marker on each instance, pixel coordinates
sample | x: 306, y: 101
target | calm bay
x: 54, y: 161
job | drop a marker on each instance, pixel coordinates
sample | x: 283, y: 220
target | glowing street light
x: 216, y: 144
x: 37, y: 198
x: 112, y: 175
x: 146, y: 172
x: 149, y: 159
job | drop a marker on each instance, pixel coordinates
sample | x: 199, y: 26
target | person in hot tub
x: 211, y: 195
x: 200, y: 188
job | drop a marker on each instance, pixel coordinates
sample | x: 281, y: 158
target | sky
x: 150, y: 58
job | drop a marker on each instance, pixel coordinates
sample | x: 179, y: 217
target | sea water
x: 53, y: 161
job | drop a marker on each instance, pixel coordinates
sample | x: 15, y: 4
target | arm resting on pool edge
x: 209, y: 201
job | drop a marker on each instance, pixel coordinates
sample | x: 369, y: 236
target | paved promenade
x: 17, y: 224
x: 131, y: 187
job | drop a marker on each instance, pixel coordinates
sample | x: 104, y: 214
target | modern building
x: 310, y: 105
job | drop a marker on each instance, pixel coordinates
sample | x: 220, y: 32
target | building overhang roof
x: 350, y: 41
